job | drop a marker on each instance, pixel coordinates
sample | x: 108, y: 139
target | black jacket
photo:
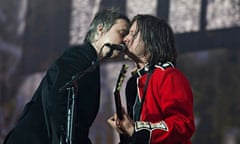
x: 45, y: 116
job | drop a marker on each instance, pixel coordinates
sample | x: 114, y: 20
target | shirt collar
x: 140, y: 72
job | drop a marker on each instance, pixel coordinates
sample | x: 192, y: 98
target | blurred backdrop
x: 34, y: 33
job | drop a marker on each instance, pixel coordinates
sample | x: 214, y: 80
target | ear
x: 100, y: 29
x: 147, y: 54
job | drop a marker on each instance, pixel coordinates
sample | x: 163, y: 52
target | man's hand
x: 124, y: 126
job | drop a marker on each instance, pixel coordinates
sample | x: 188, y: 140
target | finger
x: 111, y: 121
x: 119, y: 131
x: 115, y: 116
x: 112, y: 118
x: 117, y: 122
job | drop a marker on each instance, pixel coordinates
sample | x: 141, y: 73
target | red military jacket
x: 167, y: 110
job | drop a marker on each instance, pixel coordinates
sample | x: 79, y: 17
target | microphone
x: 120, y: 47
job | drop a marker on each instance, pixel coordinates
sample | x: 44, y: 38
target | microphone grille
x: 123, y: 46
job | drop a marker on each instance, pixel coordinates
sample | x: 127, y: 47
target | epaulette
x: 165, y: 65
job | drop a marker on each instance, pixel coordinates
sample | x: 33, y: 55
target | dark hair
x: 106, y: 17
x: 158, y: 38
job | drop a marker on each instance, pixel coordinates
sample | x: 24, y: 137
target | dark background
x: 34, y: 33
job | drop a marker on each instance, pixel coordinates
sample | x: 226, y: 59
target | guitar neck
x: 117, y: 97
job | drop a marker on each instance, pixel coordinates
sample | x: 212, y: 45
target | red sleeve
x: 176, y: 103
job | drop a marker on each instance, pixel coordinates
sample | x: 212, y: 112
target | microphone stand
x: 72, y: 88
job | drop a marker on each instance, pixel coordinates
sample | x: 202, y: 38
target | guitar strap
x: 138, y: 104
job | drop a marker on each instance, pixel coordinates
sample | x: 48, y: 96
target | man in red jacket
x: 159, y: 97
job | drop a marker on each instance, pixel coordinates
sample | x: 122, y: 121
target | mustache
x: 131, y: 56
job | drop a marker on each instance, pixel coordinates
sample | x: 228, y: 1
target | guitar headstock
x: 121, y: 77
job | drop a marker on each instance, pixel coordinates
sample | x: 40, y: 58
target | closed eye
x: 123, y: 33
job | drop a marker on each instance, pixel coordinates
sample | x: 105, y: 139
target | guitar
x: 117, y: 97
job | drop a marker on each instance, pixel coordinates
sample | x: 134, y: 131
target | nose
x: 125, y: 39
